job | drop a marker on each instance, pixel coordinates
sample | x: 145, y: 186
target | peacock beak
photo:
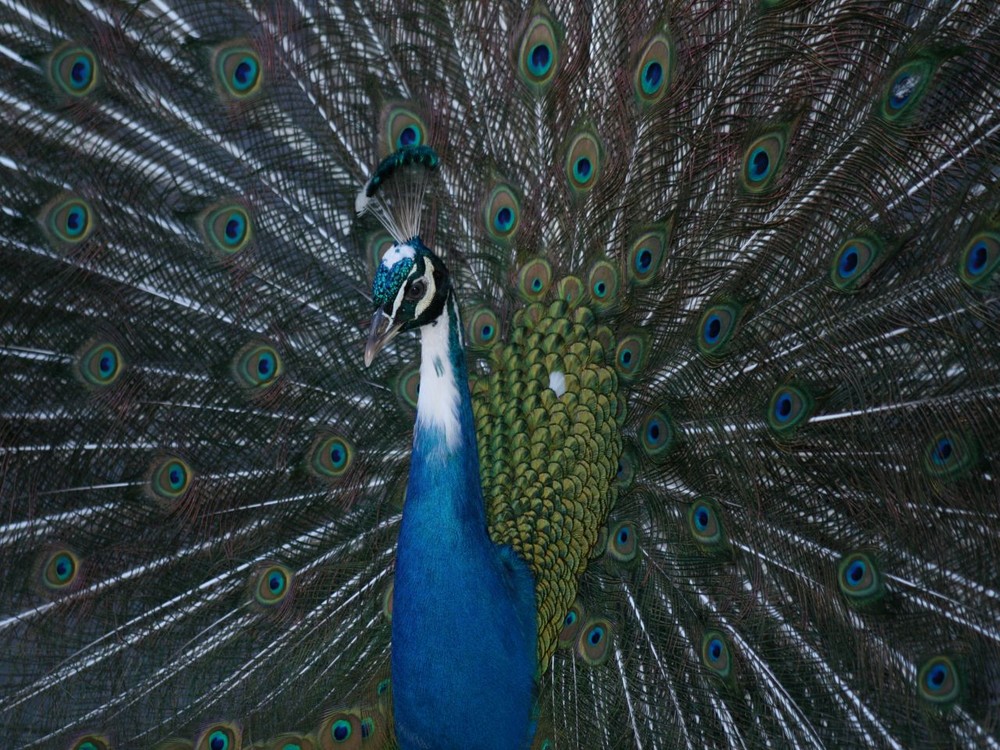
x: 381, y: 333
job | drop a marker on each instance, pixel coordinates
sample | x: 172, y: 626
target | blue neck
x: 464, y: 623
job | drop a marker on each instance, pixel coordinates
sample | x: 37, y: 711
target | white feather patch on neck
x: 437, y: 404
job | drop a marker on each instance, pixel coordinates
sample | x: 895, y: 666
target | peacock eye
x: 415, y: 290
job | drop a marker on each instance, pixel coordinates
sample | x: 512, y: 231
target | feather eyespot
x: 594, y: 642
x: 171, y: 478
x: 761, y: 161
x: 258, y: 366
x: 571, y: 625
x: 906, y: 87
x: 67, y: 220
x: 59, y: 570
x: 74, y: 71
x: 938, y: 680
x: 538, y: 57
x: 645, y: 257
x: 603, y: 284
x: 716, y: 328
x: 980, y: 258
x: 947, y: 454
x: 853, y: 261
x: 226, y: 229
x: 704, y: 523
x: 623, y: 541
x: 92, y: 742
x: 100, y: 364
x: 271, y: 585
x: 653, y: 73
x: 220, y: 737
x: 340, y: 730
x: 331, y: 457
x: 788, y: 409
x: 858, y: 578
x: 238, y: 71
x: 502, y: 213
x: 403, y: 128
x: 715, y: 653
x: 657, y: 434
x: 583, y: 162
x: 630, y: 356
x: 483, y: 328
x: 534, y: 278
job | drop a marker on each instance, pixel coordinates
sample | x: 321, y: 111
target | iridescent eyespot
x: 656, y: 434
x: 483, y: 328
x: 715, y: 653
x: 906, y: 87
x: 593, y: 644
x: 226, y: 229
x: 257, y: 366
x: 59, y: 570
x: 331, y: 457
x: 947, y: 454
x: 402, y: 127
x: 645, y: 257
x: 789, y: 407
x: 534, y: 278
x: 225, y: 736
x: 378, y: 245
x: 716, y: 328
x: 67, y: 220
x: 853, y: 261
x: 272, y: 584
x: 91, y: 742
x: 858, y: 578
x: 652, y: 74
x: 980, y: 258
x: 571, y: 625
x: 340, y: 730
x: 73, y: 70
x: 570, y: 290
x: 170, y: 478
x: 603, y: 284
x: 583, y: 162
x: 761, y: 161
x: 630, y: 356
x: 623, y: 541
x: 704, y: 522
x: 938, y: 680
x: 538, y: 57
x: 100, y: 364
x: 238, y: 71
x: 407, y: 386
x: 501, y: 213
x: 626, y: 469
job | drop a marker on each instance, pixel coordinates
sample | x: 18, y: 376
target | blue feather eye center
x: 595, y: 636
x: 536, y: 284
x: 849, y: 261
x: 276, y: 582
x: 783, y: 407
x: 582, y: 169
x: 408, y: 136
x: 236, y: 227
x: 759, y: 163
x: 702, y: 516
x: 715, y: 649
x: 623, y: 535
x: 487, y: 332
x: 856, y: 572
x: 653, y: 431
x: 644, y: 259
x: 571, y: 618
x: 245, y: 73
x: 978, y: 256
x: 600, y: 289
x: 63, y: 566
x: 936, y: 676
x: 504, y: 219
x: 341, y: 730
x: 540, y: 60
x: 713, y: 328
x: 176, y: 475
x: 652, y: 76
x: 218, y: 740
x: 943, y: 451
x: 76, y: 221
x: 80, y: 73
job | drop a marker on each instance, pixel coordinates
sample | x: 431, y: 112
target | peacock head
x: 410, y: 290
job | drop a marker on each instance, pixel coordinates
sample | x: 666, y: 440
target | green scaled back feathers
x: 729, y: 293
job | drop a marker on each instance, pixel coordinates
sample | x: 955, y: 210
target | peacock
x: 547, y: 374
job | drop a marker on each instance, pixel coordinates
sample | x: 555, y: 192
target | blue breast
x: 464, y: 627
